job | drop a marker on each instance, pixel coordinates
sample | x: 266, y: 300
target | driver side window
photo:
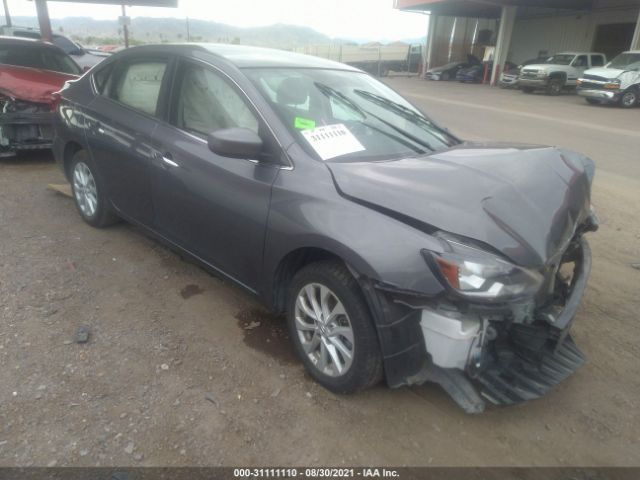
x: 207, y: 102
x: 581, y: 61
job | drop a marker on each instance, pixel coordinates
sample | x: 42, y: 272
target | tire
x: 554, y: 87
x: 89, y: 192
x: 592, y: 101
x: 332, y: 280
x: 527, y: 89
x: 629, y: 98
x: 445, y: 76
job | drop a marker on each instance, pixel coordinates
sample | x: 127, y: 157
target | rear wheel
x: 629, y: 99
x: 331, y: 328
x: 89, y: 193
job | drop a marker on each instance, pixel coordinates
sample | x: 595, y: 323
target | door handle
x: 167, y: 161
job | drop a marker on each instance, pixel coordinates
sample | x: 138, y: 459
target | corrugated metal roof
x: 488, y: 9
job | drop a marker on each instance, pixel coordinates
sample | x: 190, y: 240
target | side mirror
x: 235, y: 143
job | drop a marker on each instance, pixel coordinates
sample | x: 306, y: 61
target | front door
x: 216, y: 207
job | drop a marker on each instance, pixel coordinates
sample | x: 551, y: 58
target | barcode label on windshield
x: 331, y: 141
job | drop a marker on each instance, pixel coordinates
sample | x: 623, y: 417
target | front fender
x: 305, y: 213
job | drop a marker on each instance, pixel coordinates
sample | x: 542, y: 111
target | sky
x: 354, y: 19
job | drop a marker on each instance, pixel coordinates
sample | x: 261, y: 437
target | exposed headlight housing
x: 480, y: 275
x: 612, y: 84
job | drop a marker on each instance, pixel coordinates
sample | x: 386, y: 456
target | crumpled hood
x: 31, y: 84
x: 608, y: 73
x: 524, y: 201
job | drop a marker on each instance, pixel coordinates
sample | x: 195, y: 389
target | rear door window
x: 138, y: 85
x: 581, y: 61
x: 597, y: 61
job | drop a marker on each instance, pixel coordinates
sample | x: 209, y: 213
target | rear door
x: 216, y: 207
x: 123, y: 118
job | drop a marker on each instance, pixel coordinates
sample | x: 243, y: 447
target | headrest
x: 293, y: 91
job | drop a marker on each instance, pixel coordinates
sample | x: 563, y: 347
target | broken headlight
x: 478, y: 274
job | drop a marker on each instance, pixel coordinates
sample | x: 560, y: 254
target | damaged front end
x: 499, y: 334
x: 24, y: 125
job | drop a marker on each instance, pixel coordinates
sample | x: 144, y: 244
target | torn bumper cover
x: 24, y: 125
x: 501, y: 354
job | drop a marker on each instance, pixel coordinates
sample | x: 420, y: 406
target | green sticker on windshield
x: 304, y: 123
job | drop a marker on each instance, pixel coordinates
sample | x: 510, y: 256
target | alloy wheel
x: 629, y: 99
x: 84, y: 189
x: 324, y: 330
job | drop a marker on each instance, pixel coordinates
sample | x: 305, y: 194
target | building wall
x: 455, y: 36
x: 539, y: 30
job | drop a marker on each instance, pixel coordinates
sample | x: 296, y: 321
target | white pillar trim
x: 503, y: 41
x: 635, y: 43
x: 433, y: 26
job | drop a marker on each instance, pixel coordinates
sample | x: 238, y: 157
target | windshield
x: 368, y: 120
x: 560, y: 59
x: 626, y: 61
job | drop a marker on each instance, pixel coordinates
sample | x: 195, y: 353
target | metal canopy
x: 486, y: 8
x: 132, y: 3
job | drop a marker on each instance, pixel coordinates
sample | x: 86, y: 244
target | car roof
x: 6, y: 40
x: 243, y: 56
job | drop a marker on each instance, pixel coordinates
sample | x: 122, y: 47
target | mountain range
x: 153, y: 30
x: 147, y: 30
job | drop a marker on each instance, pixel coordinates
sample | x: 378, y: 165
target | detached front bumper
x: 479, y: 354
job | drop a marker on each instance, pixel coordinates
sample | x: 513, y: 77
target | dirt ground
x: 183, y: 369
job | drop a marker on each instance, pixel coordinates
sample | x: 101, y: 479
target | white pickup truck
x: 616, y: 82
x: 559, y: 71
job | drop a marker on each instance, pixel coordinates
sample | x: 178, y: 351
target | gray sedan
x: 395, y: 249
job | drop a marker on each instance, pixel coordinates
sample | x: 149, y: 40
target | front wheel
x: 331, y: 328
x: 592, y: 101
x: 554, y: 87
x: 629, y: 99
x: 89, y: 193
x: 527, y: 89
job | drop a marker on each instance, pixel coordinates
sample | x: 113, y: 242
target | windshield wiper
x: 405, y: 112
x: 332, y: 92
x: 401, y: 109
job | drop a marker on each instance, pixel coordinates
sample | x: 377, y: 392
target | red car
x: 30, y: 73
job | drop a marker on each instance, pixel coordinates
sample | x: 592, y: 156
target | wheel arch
x: 70, y: 149
x: 295, y: 260
x: 558, y: 74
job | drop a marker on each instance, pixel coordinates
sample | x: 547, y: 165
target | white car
x: 559, y: 71
x: 617, y: 82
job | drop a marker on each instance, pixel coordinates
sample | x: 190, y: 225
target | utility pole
x: 6, y: 13
x: 125, y: 26
x: 188, y: 32
x: 43, y: 20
